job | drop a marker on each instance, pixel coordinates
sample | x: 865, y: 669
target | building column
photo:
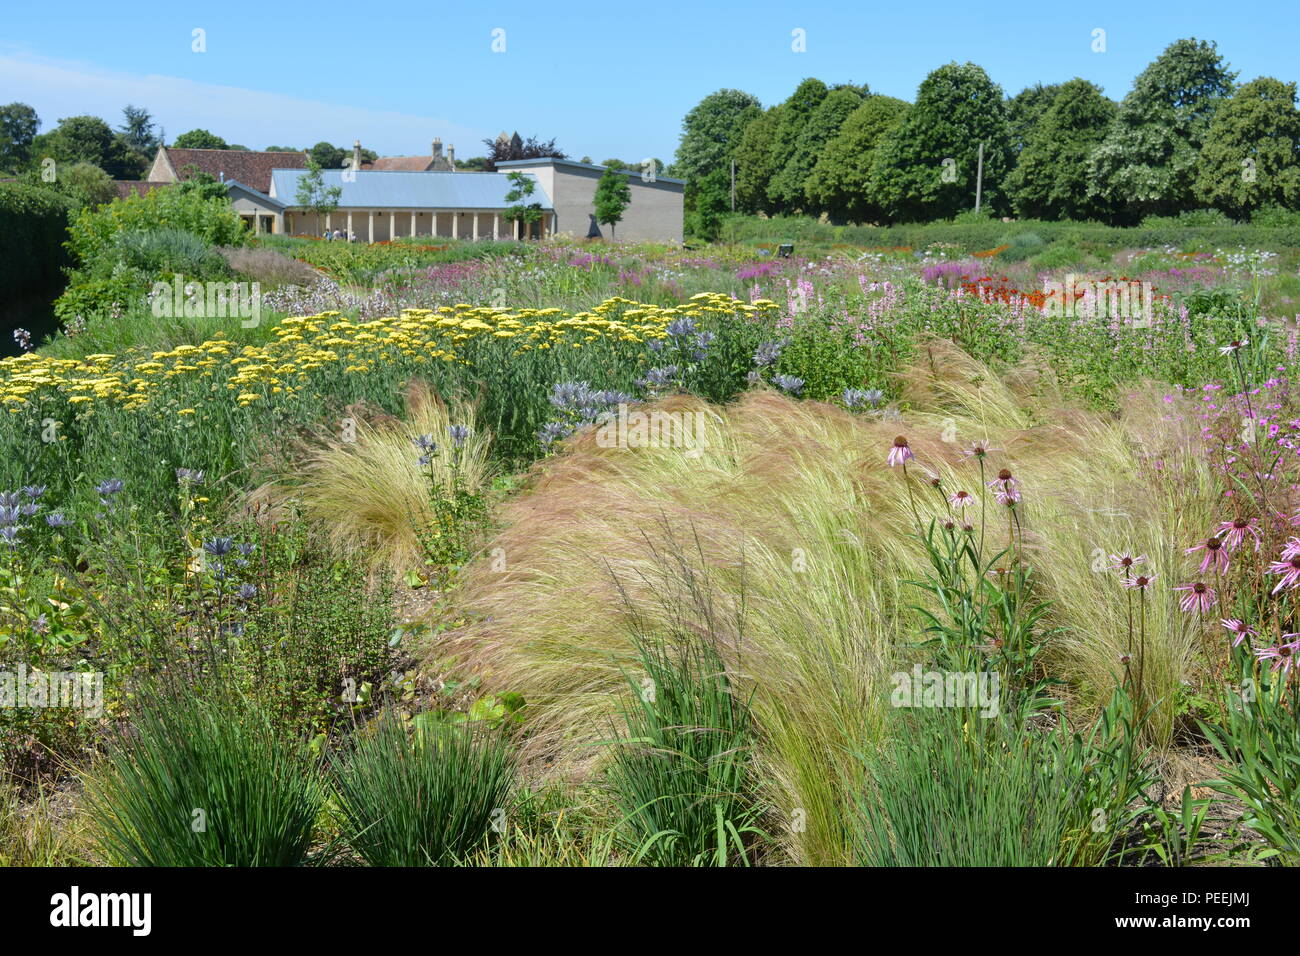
x: 496, y: 226
x: 412, y: 223
x: 349, y: 224
x: 327, y: 221
x: 455, y: 224
x: 476, y: 227
x: 370, y: 225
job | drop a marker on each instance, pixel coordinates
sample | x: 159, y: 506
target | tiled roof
x: 379, y: 189
x: 137, y: 187
x: 410, y: 164
x: 247, y: 166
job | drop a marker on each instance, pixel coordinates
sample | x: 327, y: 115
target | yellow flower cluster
x: 303, y: 345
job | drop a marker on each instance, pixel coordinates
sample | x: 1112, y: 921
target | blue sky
x: 604, y: 79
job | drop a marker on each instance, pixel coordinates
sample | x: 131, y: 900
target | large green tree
x: 926, y: 166
x: 1025, y: 109
x: 1251, y: 157
x: 200, y: 139
x: 755, y: 162
x: 785, y: 189
x: 711, y: 134
x: 822, y: 127
x: 87, y: 139
x: 1147, y: 162
x: 1050, y: 180
x: 840, y: 184
x: 328, y: 156
x: 137, y: 130
x: 18, y: 126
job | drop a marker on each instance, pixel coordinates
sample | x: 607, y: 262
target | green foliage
x: 1251, y: 156
x: 88, y: 139
x: 1025, y: 111
x: 822, y: 127
x: 756, y: 162
x: 1259, y: 740
x: 926, y: 166
x: 199, y: 139
x: 205, y: 780
x: 612, y: 197
x: 327, y: 155
x: 1147, y: 161
x: 313, y: 194
x: 788, y: 168
x: 104, y: 276
x: 1051, y: 176
x: 520, y: 210
x: 88, y: 185
x: 33, y: 224
x: 841, y: 183
x: 953, y: 788
x: 711, y: 131
x: 711, y: 134
x: 18, y: 126
x: 425, y: 796
x: 682, y: 776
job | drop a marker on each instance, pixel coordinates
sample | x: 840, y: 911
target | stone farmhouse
x: 399, y: 196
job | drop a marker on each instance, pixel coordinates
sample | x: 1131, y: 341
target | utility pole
x: 733, y: 185
x: 979, y: 178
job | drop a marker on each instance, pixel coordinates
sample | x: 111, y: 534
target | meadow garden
x: 564, y: 553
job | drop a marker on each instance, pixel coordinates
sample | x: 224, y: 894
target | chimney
x: 437, y: 148
x: 451, y: 157
x: 356, y: 155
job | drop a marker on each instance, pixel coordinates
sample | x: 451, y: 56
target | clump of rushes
x: 205, y: 781
x: 682, y: 775
x: 425, y: 795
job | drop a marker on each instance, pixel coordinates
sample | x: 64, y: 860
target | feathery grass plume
x: 205, y: 781
x: 796, y: 499
x: 1095, y: 484
x: 682, y: 774
x: 366, y: 488
x: 422, y: 796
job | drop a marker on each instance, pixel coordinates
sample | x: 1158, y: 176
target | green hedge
x: 974, y: 236
x: 33, y: 227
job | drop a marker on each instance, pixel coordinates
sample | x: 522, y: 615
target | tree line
x: 1185, y: 137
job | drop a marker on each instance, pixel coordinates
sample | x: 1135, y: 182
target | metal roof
x: 384, y: 189
x: 259, y: 196
x: 550, y: 160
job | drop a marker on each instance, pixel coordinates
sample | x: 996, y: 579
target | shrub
x: 33, y: 225
x: 161, y: 252
x: 1059, y: 255
x: 100, y: 255
x: 681, y: 776
x: 1021, y: 246
x: 424, y: 796
x: 269, y: 267
x: 205, y: 781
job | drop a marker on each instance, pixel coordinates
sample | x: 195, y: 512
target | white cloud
x: 255, y: 118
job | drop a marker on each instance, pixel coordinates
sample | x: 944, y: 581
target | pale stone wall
x: 654, y: 214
